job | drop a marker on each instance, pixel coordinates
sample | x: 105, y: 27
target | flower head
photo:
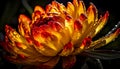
x: 54, y: 32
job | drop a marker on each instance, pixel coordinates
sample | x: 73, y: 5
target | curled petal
x: 77, y: 25
x: 86, y: 42
x: 36, y: 17
x: 24, y: 25
x: 48, y: 8
x: 87, y: 31
x: 76, y: 9
x: 59, y: 20
x: 16, y: 42
x: 84, y: 22
x: 112, y: 36
x: 92, y: 14
x: 37, y: 14
x: 47, y: 50
x: 102, y: 21
x: 81, y: 8
x: 104, y: 40
x: 53, y: 8
x: 82, y: 18
x: 47, y: 41
x: 55, y: 25
x: 13, y: 35
x: 75, y: 3
x: 68, y: 48
x: 24, y: 54
x: 55, y: 4
x: 20, y: 45
x: 77, y: 32
x: 31, y: 60
x: 6, y: 45
x: 39, y: 8
x: 61, y: 7
x: 70, y: 8
x: 56, y: 7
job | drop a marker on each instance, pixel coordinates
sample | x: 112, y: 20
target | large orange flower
x: 54, y: 33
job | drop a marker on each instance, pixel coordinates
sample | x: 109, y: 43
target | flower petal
x: 101, y: 22
x: 16, y: 42
x: 67, y: 50
x: 77, y: 25
x: 112, y: 36
x: 29, y: 60
x: 37, y: 14
x: 39, y: 8
x: 77, y: 32
x: 104, y: 40
x: 47, y: 41
x: 56, y: 26
x: 24, y: 25
x: 70, y: 8
x: 92, y: 14
x: 54, y: 8
x: 13, y: 35
x: 75, y: 3
x: 49, y: 64
x: 81, y: 8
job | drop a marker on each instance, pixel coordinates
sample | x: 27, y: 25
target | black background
x: 113, y: 6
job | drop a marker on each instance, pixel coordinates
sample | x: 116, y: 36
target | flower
x: 54, y: 33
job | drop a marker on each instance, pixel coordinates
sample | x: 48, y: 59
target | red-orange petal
x: 39, y: 8
x: 69, y: 45
x: 83, y: 17
x: 75, y: 3
x: 102, y: 21
x: 86, y: 42
x: 20, y: 45
x: 24, y: 25
x: 77, y: 25
x: 13, y: 35
x: 67, y: 50
x: 56, y: 26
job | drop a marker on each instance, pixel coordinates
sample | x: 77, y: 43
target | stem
x: 27, y: 6
x: 99, y: 63
x: 94, y: 63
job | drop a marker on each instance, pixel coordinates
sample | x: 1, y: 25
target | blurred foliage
x: 11, y: 9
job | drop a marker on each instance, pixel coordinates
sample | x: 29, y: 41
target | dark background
x: 11, y: 9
